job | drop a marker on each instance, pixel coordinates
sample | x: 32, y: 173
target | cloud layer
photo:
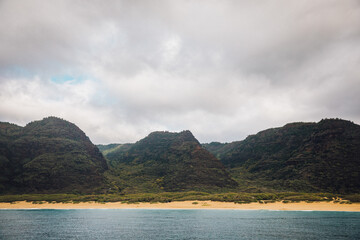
x: 223, y: 69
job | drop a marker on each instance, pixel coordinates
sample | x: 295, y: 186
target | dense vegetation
x: 184, y: 196
x: 165, y: 161
x: 312, y: 157
x: 51, y: 155
x: 54, y: 156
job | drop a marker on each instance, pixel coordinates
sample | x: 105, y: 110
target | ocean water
x: 177, y: 224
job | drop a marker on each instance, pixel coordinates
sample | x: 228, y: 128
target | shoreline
x: 299, y: 206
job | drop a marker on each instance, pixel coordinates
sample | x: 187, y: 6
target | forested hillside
x: 51, y: 155
x: 55, y: 156
x: 165, y: 161
x: 322, y: 156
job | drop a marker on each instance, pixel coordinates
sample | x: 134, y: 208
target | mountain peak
x: 187, y: 135
x: 172, y: 162
x: 55, y: 127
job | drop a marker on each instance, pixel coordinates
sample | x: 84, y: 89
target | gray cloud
x: 223, y: 69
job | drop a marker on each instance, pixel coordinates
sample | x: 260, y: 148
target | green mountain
x: 55, y: 156
x: 165, y: 161
x: 51, y: 155
x: 322, y: 156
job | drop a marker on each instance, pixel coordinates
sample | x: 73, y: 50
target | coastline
x: 299, y: 206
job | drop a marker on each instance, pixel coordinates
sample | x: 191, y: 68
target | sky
x: 221, y: 69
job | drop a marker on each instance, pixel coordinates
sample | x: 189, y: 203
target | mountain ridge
x: 323, y: 156
x: 53, y: 155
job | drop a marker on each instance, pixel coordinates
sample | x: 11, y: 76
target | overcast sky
x: 222, y: 69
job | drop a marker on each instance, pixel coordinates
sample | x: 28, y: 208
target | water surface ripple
x: 177, y: 224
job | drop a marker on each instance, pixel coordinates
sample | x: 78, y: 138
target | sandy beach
x: 316, y: 206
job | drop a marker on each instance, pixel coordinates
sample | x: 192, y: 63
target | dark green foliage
x: 313, y: 157
x: 51, y: 155
x: 352, y: 197
x: 8, y: 132
x: 175, y: 196
x: 166, y: 161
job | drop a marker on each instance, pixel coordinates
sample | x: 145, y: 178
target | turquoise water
x: 177, y: 224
